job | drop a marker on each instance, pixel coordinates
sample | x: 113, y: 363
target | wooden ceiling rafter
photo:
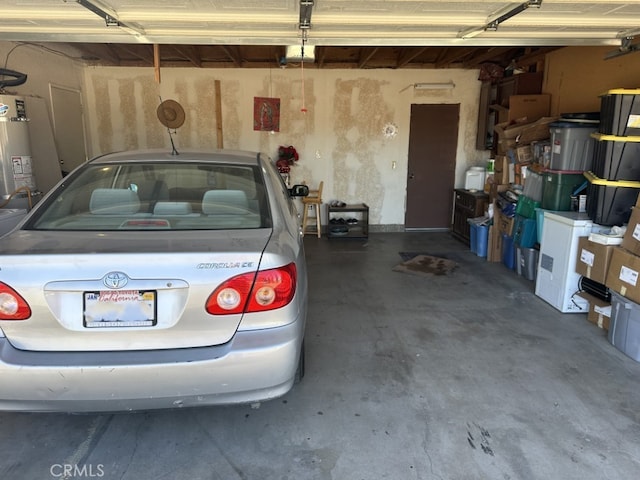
x: 233, y: 53
x: 326, y: 57
x: 534, y: 56
x: 102, y: 51
x: 454, y: 55
x: 365, y: 56
x: 190, y: 52
x: 407, y: 55
x: 141, y: 52
x: 485, y: 55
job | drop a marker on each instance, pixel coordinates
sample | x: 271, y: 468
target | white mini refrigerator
x: 557, y: 280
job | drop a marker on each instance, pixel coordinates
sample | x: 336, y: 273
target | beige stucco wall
x: 340, y: 138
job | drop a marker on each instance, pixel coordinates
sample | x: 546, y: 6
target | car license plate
x: 120, y: 308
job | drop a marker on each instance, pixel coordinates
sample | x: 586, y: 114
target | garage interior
x: 468, y: 374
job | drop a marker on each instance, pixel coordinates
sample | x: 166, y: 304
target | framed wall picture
x: 266, y: 114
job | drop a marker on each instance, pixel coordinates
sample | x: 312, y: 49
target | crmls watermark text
x: 72, y: 470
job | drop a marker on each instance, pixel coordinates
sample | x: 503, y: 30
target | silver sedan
x: 154, y: 280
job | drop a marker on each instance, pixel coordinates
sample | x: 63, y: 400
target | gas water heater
x: 16, y: 173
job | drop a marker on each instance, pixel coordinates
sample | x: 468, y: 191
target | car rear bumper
x: 254, y: 366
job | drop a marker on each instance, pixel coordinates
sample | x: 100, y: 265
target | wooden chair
x: 312, y: 202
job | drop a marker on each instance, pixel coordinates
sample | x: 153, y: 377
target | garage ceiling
x: 344, y: 34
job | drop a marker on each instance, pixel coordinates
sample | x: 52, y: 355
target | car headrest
x: 114, y: 201
x: 172, y: 208
x: 225, y: 202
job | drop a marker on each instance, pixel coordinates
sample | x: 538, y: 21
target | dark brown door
x: 433, y: 140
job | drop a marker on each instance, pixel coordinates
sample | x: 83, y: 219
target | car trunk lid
x: 94, y: 296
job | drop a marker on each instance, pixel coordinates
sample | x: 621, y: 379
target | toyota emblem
x: 115, y: 280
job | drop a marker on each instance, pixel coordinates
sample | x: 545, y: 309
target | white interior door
x: 68, y: 126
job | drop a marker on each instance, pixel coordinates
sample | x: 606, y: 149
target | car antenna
x: 171, y: 115
x: 173, y: 147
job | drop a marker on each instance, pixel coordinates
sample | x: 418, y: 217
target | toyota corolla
x: 153, y: 279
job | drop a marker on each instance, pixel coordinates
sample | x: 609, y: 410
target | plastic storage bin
x: 620, y: 112
x: 558, y: 187
x: 539, y: 223
x: 527, y: 206
x: 533, y: 185
x: 527, y: 262
x: 616, y: 158
x: 572, y: 145
x: 610, y: 202
x: 508, y: 252
x: 524, y: 232
x: 482, y: 237
x: 473, y: 237
x: 624, y: 328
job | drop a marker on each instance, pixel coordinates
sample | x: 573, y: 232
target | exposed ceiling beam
x: 453, y: 55
x: 189, y: 52
x: 482, y: 56
x: 534, y: 56
x: 321, y: 53
x: 406, y: 56
x: 142, y: 52
x: 362, y: 62
x: 103, y: 51
x: 233, y: 54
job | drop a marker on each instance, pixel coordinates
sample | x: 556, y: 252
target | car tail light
x: 254, y: 292
x: 12, y: 305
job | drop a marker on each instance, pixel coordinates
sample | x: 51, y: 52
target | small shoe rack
x: 348, y: 221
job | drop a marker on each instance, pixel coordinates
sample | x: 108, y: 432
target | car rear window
x: 157, y: 196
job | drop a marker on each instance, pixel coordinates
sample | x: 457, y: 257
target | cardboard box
x: 495, y: 189
x: 495, y: 245
x: 504, y: 223
x: 525, y: 133
x: 599, y: 311
x: 505, y: 144
x: 501, y: 170
x: 593, y: 259
x: 520, y: 173
x: 623, y: 275
x: 631, y: 238
x: 523, y: 154
x: 524, y: 107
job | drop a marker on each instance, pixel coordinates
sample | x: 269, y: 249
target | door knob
x: 411, y: 176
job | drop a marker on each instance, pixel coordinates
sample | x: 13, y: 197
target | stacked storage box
x: 571, y: 154
x: 614, y: 182
x: 623, y: 280
x: 592, y: 263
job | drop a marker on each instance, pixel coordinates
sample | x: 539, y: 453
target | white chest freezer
x: 557, y: 280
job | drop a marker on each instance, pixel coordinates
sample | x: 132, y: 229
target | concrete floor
x: 466, y: 376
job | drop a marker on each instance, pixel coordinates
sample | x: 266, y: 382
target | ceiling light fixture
x: 496, y: 19
x: 434, y: 86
